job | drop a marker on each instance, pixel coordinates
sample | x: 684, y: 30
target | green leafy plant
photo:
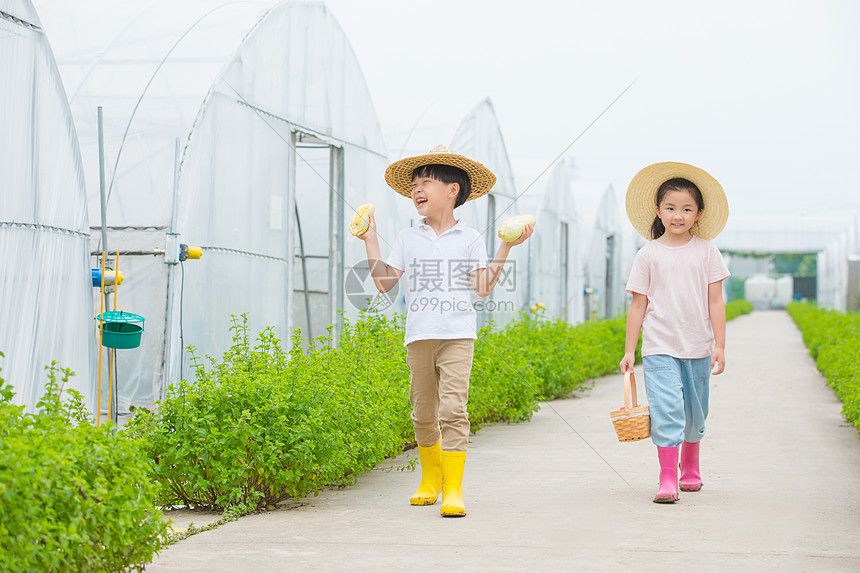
x: 502, y: 384
x: 736, y: 308
x: 256, y: 427
x: 73, y: 496
x: 264, y: 425
x: 833, y: 338
x: 563, y: 356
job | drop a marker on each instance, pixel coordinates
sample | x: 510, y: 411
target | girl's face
x: 678, y: 212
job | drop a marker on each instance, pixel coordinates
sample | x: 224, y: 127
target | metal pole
x: 104, y: 244
x: 102, y: 183
x: 336, y: 240
x: 171, y: 270
x: 113, y: 388
x: 101, y: 337
x: 289, y: 255
x: 529, y: 273
x: 304, y: 273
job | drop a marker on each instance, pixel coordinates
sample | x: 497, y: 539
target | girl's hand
x: 527, y: 232
x: 627, y: 362
x: 371, y: 229
x: 718, y: 358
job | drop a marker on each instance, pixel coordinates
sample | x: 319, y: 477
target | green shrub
x: 73, y: 496
x: 738, y: 307
x: 833, y: 339
x: 503, y: 384
x: 563, y: 356
x: 265, y: 425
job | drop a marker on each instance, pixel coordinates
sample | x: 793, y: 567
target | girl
x: 676, y: 283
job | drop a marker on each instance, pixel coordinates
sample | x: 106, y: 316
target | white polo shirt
x: 436, y: 280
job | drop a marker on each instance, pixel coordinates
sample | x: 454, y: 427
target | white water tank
x: 760, y: 291
x: 784, y: 291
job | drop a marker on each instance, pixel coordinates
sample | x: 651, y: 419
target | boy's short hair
x: 447, y: 174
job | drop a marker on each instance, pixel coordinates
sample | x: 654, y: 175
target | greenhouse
x: 204, y: 150
x: 209, y: 148
x: 554, y: 274
x: 600, y: 249
x: 186, y: 145
x: 579, y: 261
x: 199, y: 371
x: 749, y: 243
x: 45, y: 288
x: 839, y: 271
x: 480, y: 137
x: 780, y: 233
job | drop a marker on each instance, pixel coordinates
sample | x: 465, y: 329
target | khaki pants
x: 439, y: 391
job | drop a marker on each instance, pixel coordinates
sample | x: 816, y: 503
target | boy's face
x: 431, y: 196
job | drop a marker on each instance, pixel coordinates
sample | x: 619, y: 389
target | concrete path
x: 781, y: 469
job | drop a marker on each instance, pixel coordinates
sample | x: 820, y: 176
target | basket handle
x: 630, y: 390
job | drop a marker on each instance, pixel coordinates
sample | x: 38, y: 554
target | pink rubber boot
x: 691, y: 479
x: 668, y: 475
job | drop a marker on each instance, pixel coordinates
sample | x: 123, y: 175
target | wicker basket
x: 632, y: 422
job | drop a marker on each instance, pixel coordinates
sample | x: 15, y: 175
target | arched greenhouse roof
x: 22, y: 10
x: 151, y: 72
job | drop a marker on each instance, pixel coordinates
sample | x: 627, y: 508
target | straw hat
x: 399, y: 174
x: 642, y: 198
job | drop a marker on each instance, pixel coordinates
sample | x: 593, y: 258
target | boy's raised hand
x: 370, y: 233
x: 527, y: 232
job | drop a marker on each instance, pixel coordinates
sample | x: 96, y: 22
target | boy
x: 443, y: 260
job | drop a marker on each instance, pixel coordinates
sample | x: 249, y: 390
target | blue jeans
x: 677, y: 391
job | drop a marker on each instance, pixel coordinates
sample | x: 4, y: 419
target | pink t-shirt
x: 675, y: 280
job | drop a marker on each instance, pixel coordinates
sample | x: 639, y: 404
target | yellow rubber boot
x: 453, y: 464
x: 431, y: 475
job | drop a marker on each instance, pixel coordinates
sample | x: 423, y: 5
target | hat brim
x: 641, y: 199
x: 399, y: 174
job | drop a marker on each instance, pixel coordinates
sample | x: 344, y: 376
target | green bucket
x: 121, y: 329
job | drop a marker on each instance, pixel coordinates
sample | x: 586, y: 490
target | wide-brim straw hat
x: 642, y: 198
x: 399, y: 174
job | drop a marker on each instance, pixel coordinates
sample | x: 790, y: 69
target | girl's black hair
x: 447, y: 174
x: 676, y: 184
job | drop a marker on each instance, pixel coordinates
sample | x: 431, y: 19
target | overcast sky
x: 763, y: 95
